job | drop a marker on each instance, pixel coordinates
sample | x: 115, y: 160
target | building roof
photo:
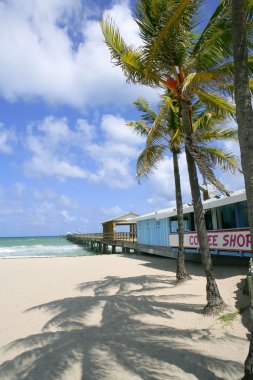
x: 220, y: 200
x: 123, y: 218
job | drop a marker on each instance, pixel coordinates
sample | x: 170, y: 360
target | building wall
x: 154, y: 232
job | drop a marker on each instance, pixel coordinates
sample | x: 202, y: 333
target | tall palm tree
x: 244, y: 117
x: 163, y: 132
x: 191, y: 65
x: 167, y: 136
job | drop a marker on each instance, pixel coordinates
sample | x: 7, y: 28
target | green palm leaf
x: 113, y: 39
x: 222, y: 158
x: 147, y: 114
x: 216, y: 133
x: 149, y: 159
x: 216, y: 103
x: 124, y: 56
x: 176, y: 16
x: 139, y: 127
x: 204, y: 164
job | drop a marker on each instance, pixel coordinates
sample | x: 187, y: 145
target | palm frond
x: 204, y: 164
x: 251, y: 86
x: 113, y: 39
x: 215, y: 42
x: 148, y: 160
x: 177, y: 15
x: 126, y: 57
x: 216, y: 103
x: 222, y: 158
x: 139, y: 127
x: 196, y: 80
x: 215, y: 133
x: 201, y: 119
x: 165, y: 124
x: 147, y: 114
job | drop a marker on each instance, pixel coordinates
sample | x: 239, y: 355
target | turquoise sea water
x: 40, y: 247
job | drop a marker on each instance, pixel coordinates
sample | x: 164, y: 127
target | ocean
x: 52, y: 246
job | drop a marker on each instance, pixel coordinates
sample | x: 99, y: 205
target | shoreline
x: 112, y: 314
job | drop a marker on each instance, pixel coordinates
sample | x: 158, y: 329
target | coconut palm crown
x: 163, y: 131
x: 175, y: 54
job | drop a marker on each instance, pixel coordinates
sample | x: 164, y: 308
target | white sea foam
x: 40, y: 250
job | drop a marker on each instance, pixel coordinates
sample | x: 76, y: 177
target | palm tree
x: 167, y: 136
x: 191, y: 65
x: 163, y: 131
x: 244, y: 117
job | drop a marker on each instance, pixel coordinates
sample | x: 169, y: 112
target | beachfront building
x: 123, y: 222
x: 226, y: 222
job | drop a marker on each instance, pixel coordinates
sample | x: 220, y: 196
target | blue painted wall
x: 154, y: 232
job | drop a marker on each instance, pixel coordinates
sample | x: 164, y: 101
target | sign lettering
x: 227, y: 240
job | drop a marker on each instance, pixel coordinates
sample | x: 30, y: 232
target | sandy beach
x: 116, y: 317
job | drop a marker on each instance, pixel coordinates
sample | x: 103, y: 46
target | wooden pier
x: 102, y: 241
x: 127, y: 241
x: 106, y: 243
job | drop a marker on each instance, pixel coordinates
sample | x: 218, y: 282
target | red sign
x: 225, y: 240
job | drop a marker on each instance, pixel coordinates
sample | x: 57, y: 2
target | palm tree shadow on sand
x: 114, y: 331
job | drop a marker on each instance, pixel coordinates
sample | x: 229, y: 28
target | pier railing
x: 123, y: 236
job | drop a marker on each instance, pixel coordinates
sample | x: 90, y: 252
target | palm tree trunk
x: 181, y: 275
x: 244, y: 116
x: 215, y: 302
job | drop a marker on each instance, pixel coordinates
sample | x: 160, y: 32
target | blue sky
x: 67, y: 157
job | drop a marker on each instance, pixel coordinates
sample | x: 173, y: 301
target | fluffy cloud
x: 236, y: 181
x: 54, y: 50
x: 162, y: 183
x: 112, y: 211
x: 64, y: 152
x: 7, y: 138
x: 49, y: 147
x: 29, y: 210
x: 9, y: 207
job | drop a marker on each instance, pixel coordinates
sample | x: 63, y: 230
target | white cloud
x: 117, y: 131
x: 68, y: 202
x: 53, y: 50
x: 232, y: 182
x: 9, y: 207
x: 162, y: 183
x: 49, y: 150
x: 57, y: 150
x: 67, y: 217
x: 112, y: 211
x: 7, y: 138
x: 19, y: 189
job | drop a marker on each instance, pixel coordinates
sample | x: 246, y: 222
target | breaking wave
x: 41, y: 250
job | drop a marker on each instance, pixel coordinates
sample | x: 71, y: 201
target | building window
x: 173, y: 224
x: 208, y: 219
x: 158, y: 223
x: 188, y: 223
x: 244, y: 214
x: 226, y: 217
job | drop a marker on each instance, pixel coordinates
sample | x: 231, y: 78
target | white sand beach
x: 116, y: 317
